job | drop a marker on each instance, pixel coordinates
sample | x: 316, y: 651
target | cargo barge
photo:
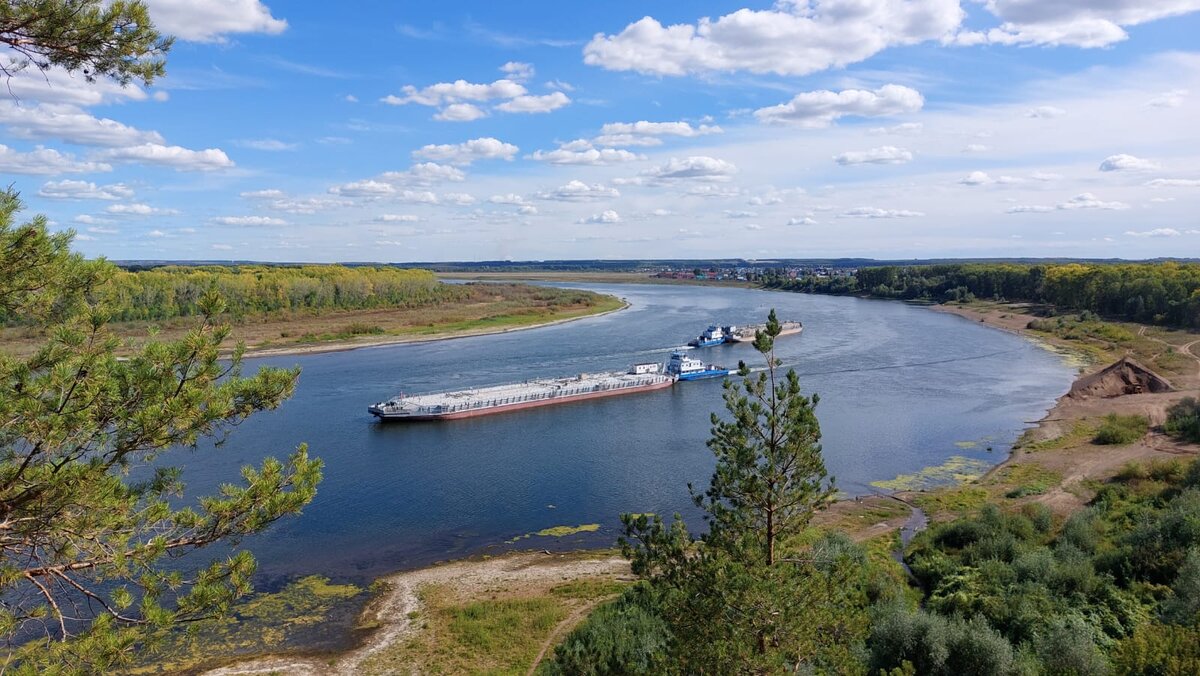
x: 517, y: 396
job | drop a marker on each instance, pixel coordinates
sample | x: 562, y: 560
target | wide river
x: 901, y: 388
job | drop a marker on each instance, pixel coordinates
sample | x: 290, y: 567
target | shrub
x: 1118, y: 430
x: 1183, y: 420
x: 622, y: 637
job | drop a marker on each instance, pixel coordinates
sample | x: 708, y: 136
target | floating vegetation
x: 557, y: 532
x: 966, y: 444
x: 956, y: 470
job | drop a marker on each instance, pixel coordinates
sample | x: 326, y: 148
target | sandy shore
x: 355, y: 344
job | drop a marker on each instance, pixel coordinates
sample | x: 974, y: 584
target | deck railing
x: 560, y: 392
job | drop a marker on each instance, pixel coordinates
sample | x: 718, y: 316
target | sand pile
x: 1124, y: 377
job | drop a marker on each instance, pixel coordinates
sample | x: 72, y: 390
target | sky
x: 396, y: 132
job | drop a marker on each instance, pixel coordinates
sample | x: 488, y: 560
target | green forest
x: 1152, y: 293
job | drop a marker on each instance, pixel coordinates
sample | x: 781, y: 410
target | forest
x: 1154, y: 293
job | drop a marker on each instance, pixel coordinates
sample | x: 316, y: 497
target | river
x: 901, y: 388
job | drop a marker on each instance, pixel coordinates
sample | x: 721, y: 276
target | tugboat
x: 713, y: 335
x: 684, y: 367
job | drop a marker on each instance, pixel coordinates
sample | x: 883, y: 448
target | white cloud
x: 873, y: 212
x: 1171, y: 99
x: 627, y: 140
x: 460, y: 112
x: 528, y: 210
x: 1029, y: 209
x: 181, y: 159
x: 486, y: 148
x: 1127, y: 163
x: 137, y: 210
x: 975, y: 148
x: 88, y: 219
x: 367, y: 188
x: 71, y: 124
x: 267, y: 144
x: 101, y: 230
x: 645, y: 128
x: 794, y: 38
x: 417, y: 197
x: 1156, y: 232
x: 903, y: 129
x: 248, y: 220
x: 801, y: 221
x: 308, y: 205
x: 56, y: 85
x: 1045, y: 112
x: 1174, y: 183
x: 880, y: 155
x: 1089, y: 201
x: 578, y: 191
x: 976, y: 178
x: 517, y: 70
x: 582, y: 152
x: 84, y: 190
x: 535, y: 104
x: 1073, y: 23
x: 510, y: 198
x: 740, y: 214
x: 425, y: 173
x: 1045, y: 176
x: 454, y: 92
x: 606, y: 216
x: 697, y: 168
x: 212, y: 20
x: 397, y: 218
x: 268, y: 194
x: 461, y: 199
x: 156, y: 233
x: 45, y: 162
x: 822, y: 108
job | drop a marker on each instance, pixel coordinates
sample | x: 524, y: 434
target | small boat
x: 713, y: 335
x: 684, y: 367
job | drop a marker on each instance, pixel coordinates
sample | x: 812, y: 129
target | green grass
x: 1080, y: 432
x: 1121, y: 430
x: 588, y: 589
x: 1026, y: 479
x: 952, y: 500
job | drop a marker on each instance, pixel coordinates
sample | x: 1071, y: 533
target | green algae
x: 956, y: 470
x: 562, y: 531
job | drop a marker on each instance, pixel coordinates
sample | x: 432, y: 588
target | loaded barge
x: 718, y: 335
x: 517, y: 396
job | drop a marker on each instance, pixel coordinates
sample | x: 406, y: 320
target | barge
x: 517, y: 396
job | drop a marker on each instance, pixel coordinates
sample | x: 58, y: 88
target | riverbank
x: 505, y: 308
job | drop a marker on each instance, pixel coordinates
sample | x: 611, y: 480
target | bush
x: 1068, y: 646
x: 1183, y: 420
x: 622, y: 637
x: 1118, y: 430
x: 936, y: 645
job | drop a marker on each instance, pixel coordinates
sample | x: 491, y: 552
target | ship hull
x: 750, y: 338
x: 706, y: 343
x: 703, y: 375
x: 385, y: 416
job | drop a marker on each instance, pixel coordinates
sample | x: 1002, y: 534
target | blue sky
x: 416, y: 132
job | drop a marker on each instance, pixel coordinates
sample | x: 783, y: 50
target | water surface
x: 901, y: 388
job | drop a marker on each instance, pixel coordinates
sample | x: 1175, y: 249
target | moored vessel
x: 713, y: 335
x: 745, y: 334
x: 517, y: 396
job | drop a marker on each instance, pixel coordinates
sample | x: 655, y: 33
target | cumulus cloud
x: 45, y: 162
x: 465, y: 153
x: 176, y: 157
x: 460, y: 112
x: 137, y: 209
x: 644, y: 128
x: 606, y: 216
x: 535, y: 104
x: 461, y: 199
x: 307, y: 205
x: 1089, y: 201
x: 821, y: 108
x: 425, y: 173
x: 578, y: 191
x: 1029, y: 209
x: 267, y: 194
x: 367, y: 188
x: 1127, y: 163
x: 880, y: 155
x: 697, y: 168
x: 1156, y: 232
x: 517, y: 70
x: 805, y: 220
x: 874, y: 212
x: 581, y: 152
x: 510, y: 198
x: 71, y: 124
x: 212, y: 20
x: 454, y: 92
x: 975, y: 148
x: 397, y: 218
x: 1077, y: 24
x: 248, y: 220
x: 983, y: 178
x: 528, y: 210
x: 903, y: 129
x: 417, y: 197
x: 84, y: 190
x: 793, y: 38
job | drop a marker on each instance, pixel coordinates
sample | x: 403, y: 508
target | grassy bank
x: 483, y: 308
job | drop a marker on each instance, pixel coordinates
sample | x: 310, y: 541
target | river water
x: 901, y: 388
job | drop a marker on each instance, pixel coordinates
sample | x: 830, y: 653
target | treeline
x: 1115, y: 589
x: 1155, y: 293
x: 167, y: 292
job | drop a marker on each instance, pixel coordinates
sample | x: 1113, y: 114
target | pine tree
x: 82, y: 580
